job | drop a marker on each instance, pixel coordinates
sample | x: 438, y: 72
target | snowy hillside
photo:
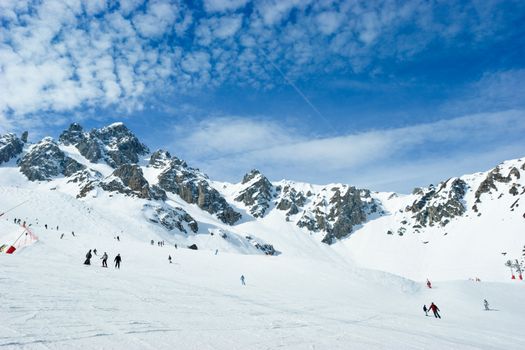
x: 326, y: 266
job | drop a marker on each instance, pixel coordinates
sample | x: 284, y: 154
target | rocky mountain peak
x: 439, y: 205
x: 10, y: 147
x: 159, y: 159
x: 115, y: 144
x: 129, y: 179
x: 45, y: 160
x: 257, y: 193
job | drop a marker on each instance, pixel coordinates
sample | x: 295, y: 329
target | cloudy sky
x: 387, y: 95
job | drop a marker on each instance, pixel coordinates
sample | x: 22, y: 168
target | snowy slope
x: 365, y: 289
x: 51, y: 301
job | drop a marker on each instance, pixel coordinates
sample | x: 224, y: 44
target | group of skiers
x: 104, y: 259
x: 432, y: 308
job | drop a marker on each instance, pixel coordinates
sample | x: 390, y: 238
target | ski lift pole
x: 13, y: 208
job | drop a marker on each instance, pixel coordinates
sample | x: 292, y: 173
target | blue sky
x: 386, y: 95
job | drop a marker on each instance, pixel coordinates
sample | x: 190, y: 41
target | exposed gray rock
x: 24, y: 136
x: 338, y: 214
x: 437, y: 206
x: 10, y: 147
x: 159, y: 159
x: 45, y: 161
x: 257, y: 193
x: 492, y: 178
x: 131, y: 181
x: 193, y: 187
x: 291, y: 200
x: 115, y: 144
x: 171, y: 218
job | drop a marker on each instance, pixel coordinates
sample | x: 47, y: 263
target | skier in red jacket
x: 435, y: 310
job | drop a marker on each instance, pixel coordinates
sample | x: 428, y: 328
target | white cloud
x: 157, y: 19
x: 228, y: 147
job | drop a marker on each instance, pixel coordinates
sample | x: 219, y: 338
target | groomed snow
x: 309, y: 300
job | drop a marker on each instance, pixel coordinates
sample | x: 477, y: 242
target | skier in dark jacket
x: 243, y: 280
x: 104, y: 260
x: 435, y: 310
x: 117, y: 260
x: 425, y: 309
x: 88, y: 258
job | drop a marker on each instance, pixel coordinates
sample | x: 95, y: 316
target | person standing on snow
x: 104, y: 259
x: 169, y: 258
x: 95, y: 251
x: 425, y: 309
x: 88, y: 258
x: 429, y: 285
x: 435, y: 310
x: 242, y: 280
x: 486, y: 304
x: 117, y: 260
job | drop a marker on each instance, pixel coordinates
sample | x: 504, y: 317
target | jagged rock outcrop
x: 193, y: 187
x: 256, y: 194
x: 492, y: 178
x: 10, y: 147
x: 171, y: 218
x: 438, y: 206
x: 129, y: 179
x: 290, y: 200
x: 45, y: 160
x: 115, y: 144
x: 159, y: 159
x: 337, y: 211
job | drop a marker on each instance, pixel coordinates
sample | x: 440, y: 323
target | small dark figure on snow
x: 169, y: 258
x: 243, y: 280
x: 152, y: 242
x: 73, y: 233
x: 57, y: 227
x: 88, y: 258
x: 118, y: 238
x: 45, y: 226
x: 104, y: 260
x: 176, y: 246
x: 429, y: 285
x: 117, y: 260
x: 486, y: 304
x: 435, y: 310
x: 425, y: 309
x: 61, y: 236
x: 216, y: 251
x: 95, y: 251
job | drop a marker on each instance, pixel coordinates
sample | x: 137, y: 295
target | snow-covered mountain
x: 325, y: 266
x: 463, y: 227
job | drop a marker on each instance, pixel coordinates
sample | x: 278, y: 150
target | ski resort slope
x: 50, y: 300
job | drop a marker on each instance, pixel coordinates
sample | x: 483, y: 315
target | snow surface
x: 307, y: 298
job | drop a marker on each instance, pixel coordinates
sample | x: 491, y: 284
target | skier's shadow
x: 492, y: 310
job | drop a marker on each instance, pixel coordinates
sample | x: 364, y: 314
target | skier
x: 73, y: 233
x: 152, y: 242
x: 435, y: 310
x: 88, y: 258
x: 486, y: 304
x: 45, y: 226
x: 425, y: 309
x: 176, y: 246
x: 104, y: 259
x: 61, y: 236
x: 169, y: 258
x: 117, y: 260
x: 95, y: 251
x: 429, y: 285
x: 242, y: 280
x: 216, y: 251
x: 118, y: 238
x: 57, y: 227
